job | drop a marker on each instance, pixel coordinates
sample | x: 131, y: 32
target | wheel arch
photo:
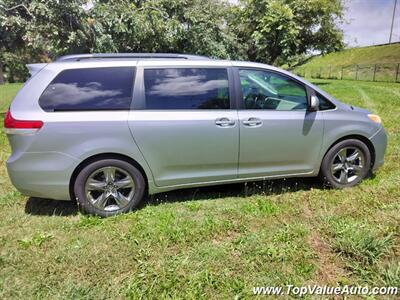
x: 361, y: 138
x: 101, y: 156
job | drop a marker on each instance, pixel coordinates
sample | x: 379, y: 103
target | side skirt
x: 156, y: 189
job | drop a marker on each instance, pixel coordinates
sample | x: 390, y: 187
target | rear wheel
x: 346, y: 164
x: 109, y: 187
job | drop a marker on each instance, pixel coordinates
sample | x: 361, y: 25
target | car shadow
x: 47, y: 207
x: 265, y: 188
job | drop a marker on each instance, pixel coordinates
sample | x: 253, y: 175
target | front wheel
x: 346, y: 163
x: 108, y: 187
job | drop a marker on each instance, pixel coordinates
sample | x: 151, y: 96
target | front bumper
x: 379, y: 141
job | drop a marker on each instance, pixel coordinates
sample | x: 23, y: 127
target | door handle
x: 224, y: 122
x: 252, y: 122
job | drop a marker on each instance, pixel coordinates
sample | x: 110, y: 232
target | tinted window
x: 186, y: 88
x: 324, y: 104
x: 268, y: 90
x: 89, y: 89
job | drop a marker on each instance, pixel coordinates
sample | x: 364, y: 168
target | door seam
x: 239, y: 131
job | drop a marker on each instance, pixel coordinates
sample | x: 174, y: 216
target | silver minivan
x: 108, y: 129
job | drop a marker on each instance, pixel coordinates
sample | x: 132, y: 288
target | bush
x: 14, y: 68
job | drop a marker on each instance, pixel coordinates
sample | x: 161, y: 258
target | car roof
x: 134, y: 56
x: 149, y: 59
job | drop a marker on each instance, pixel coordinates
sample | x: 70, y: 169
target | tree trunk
x: 2, y: 81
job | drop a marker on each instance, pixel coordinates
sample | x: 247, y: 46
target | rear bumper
x: 379, y: 141
x: 42, y: 174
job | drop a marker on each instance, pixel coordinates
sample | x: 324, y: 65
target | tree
x: 11, y: 33
x: 271, y: 31
x: 59, y: 27
x: 277, y: 30
x: 193, y: 26
x: 42, y: 29
x: 36, y: 30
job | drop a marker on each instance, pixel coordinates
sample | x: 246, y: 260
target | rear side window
x: 186, y: 88
x: 89, y: 89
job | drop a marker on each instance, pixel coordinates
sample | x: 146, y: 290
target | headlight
x: 375, y: 118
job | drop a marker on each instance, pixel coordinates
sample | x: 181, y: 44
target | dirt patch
x: 329, y: 271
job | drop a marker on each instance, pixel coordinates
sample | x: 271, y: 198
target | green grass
x: 330, y: 65
x: 215, y: 242
x: 361, y: 55
x: 7, y: 92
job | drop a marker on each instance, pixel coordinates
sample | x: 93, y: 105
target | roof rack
x: 79, y: 57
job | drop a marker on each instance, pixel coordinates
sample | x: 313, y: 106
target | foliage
x: 57, y: 27
x: 274, y: 31
x: 269, y: 31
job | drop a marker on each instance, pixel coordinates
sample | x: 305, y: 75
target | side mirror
x: 314, y: 103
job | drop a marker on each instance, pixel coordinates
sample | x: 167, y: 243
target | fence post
x: 356, y: 72
x: 341, y: 73
x: 397, y: 72
x: 330, y: 71
x: 320, y: 72
x: 373, y: 79
x: 2, y: 81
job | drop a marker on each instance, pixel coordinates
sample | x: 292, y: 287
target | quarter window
x: 186, y: 88
x: 89, y: 89
x: 269, y: 90
x: 324, y: 104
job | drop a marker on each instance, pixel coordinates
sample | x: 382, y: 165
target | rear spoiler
x: 35, y: 68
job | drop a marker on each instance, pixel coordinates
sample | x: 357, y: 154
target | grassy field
x: 7, y: 92
x: 361, y: 55
x: 355, y: 63
x: 211, y: 243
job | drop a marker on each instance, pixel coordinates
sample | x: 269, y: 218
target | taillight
x: 11, y: 123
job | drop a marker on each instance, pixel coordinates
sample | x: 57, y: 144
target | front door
x: 278, y: 135
x: 187, y: 131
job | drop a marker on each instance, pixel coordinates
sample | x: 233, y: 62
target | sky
x: 368, y: 22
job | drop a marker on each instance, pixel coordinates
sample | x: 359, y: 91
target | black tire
x: 331, y: 155
x: 86, y: 206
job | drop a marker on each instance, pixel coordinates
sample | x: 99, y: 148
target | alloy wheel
x: 348, y: 165
x: 110, y: 188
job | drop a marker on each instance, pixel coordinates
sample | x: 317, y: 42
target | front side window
x: 186, y: 88
x: 269, y: 90
x: 89, y: 89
